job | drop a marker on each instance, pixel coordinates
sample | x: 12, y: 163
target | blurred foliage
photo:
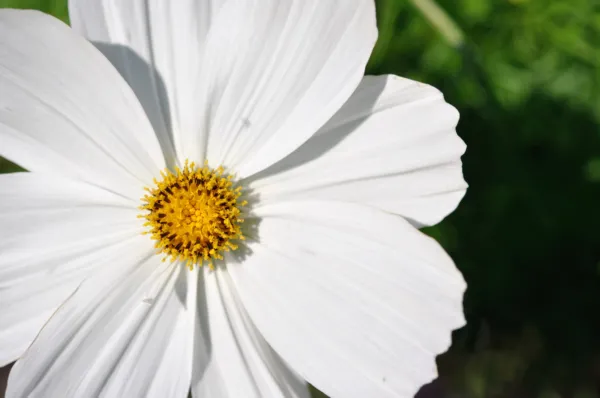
x: 526, y: 237
x: 527, y: 84
x: 58, y: 8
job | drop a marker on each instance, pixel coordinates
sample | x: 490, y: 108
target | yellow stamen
x: 194, y: 214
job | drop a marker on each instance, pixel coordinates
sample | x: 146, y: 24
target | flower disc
x: 194, y: 214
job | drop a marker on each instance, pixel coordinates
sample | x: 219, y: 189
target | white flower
x: 333, y: 285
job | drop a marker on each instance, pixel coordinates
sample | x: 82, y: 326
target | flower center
x: 194, y: 214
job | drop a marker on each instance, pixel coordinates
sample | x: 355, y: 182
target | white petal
x: 393, y: 145
x: 158, y: 361
x: 157, y: 47
x: 356, y: 300
x: 65, y: 109
x: 274, y: 72
x: 241, y: 363
x: 54, y: 233
x: 123, y: 333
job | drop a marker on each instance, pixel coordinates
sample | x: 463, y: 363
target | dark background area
x: 525, y: 76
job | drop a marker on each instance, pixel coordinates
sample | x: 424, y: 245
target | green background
x: 526, y: 80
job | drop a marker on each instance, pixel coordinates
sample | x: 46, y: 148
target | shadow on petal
x: 150, y: 89
x: 321, y: 143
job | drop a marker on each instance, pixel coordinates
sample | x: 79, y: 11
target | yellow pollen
x: 193, y: 214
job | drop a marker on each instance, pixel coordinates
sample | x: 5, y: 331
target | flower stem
x: 441, y: 20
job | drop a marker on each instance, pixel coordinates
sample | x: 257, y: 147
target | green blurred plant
x: 58, y: 8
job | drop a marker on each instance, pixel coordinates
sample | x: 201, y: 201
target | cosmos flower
x: 219, y: 202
